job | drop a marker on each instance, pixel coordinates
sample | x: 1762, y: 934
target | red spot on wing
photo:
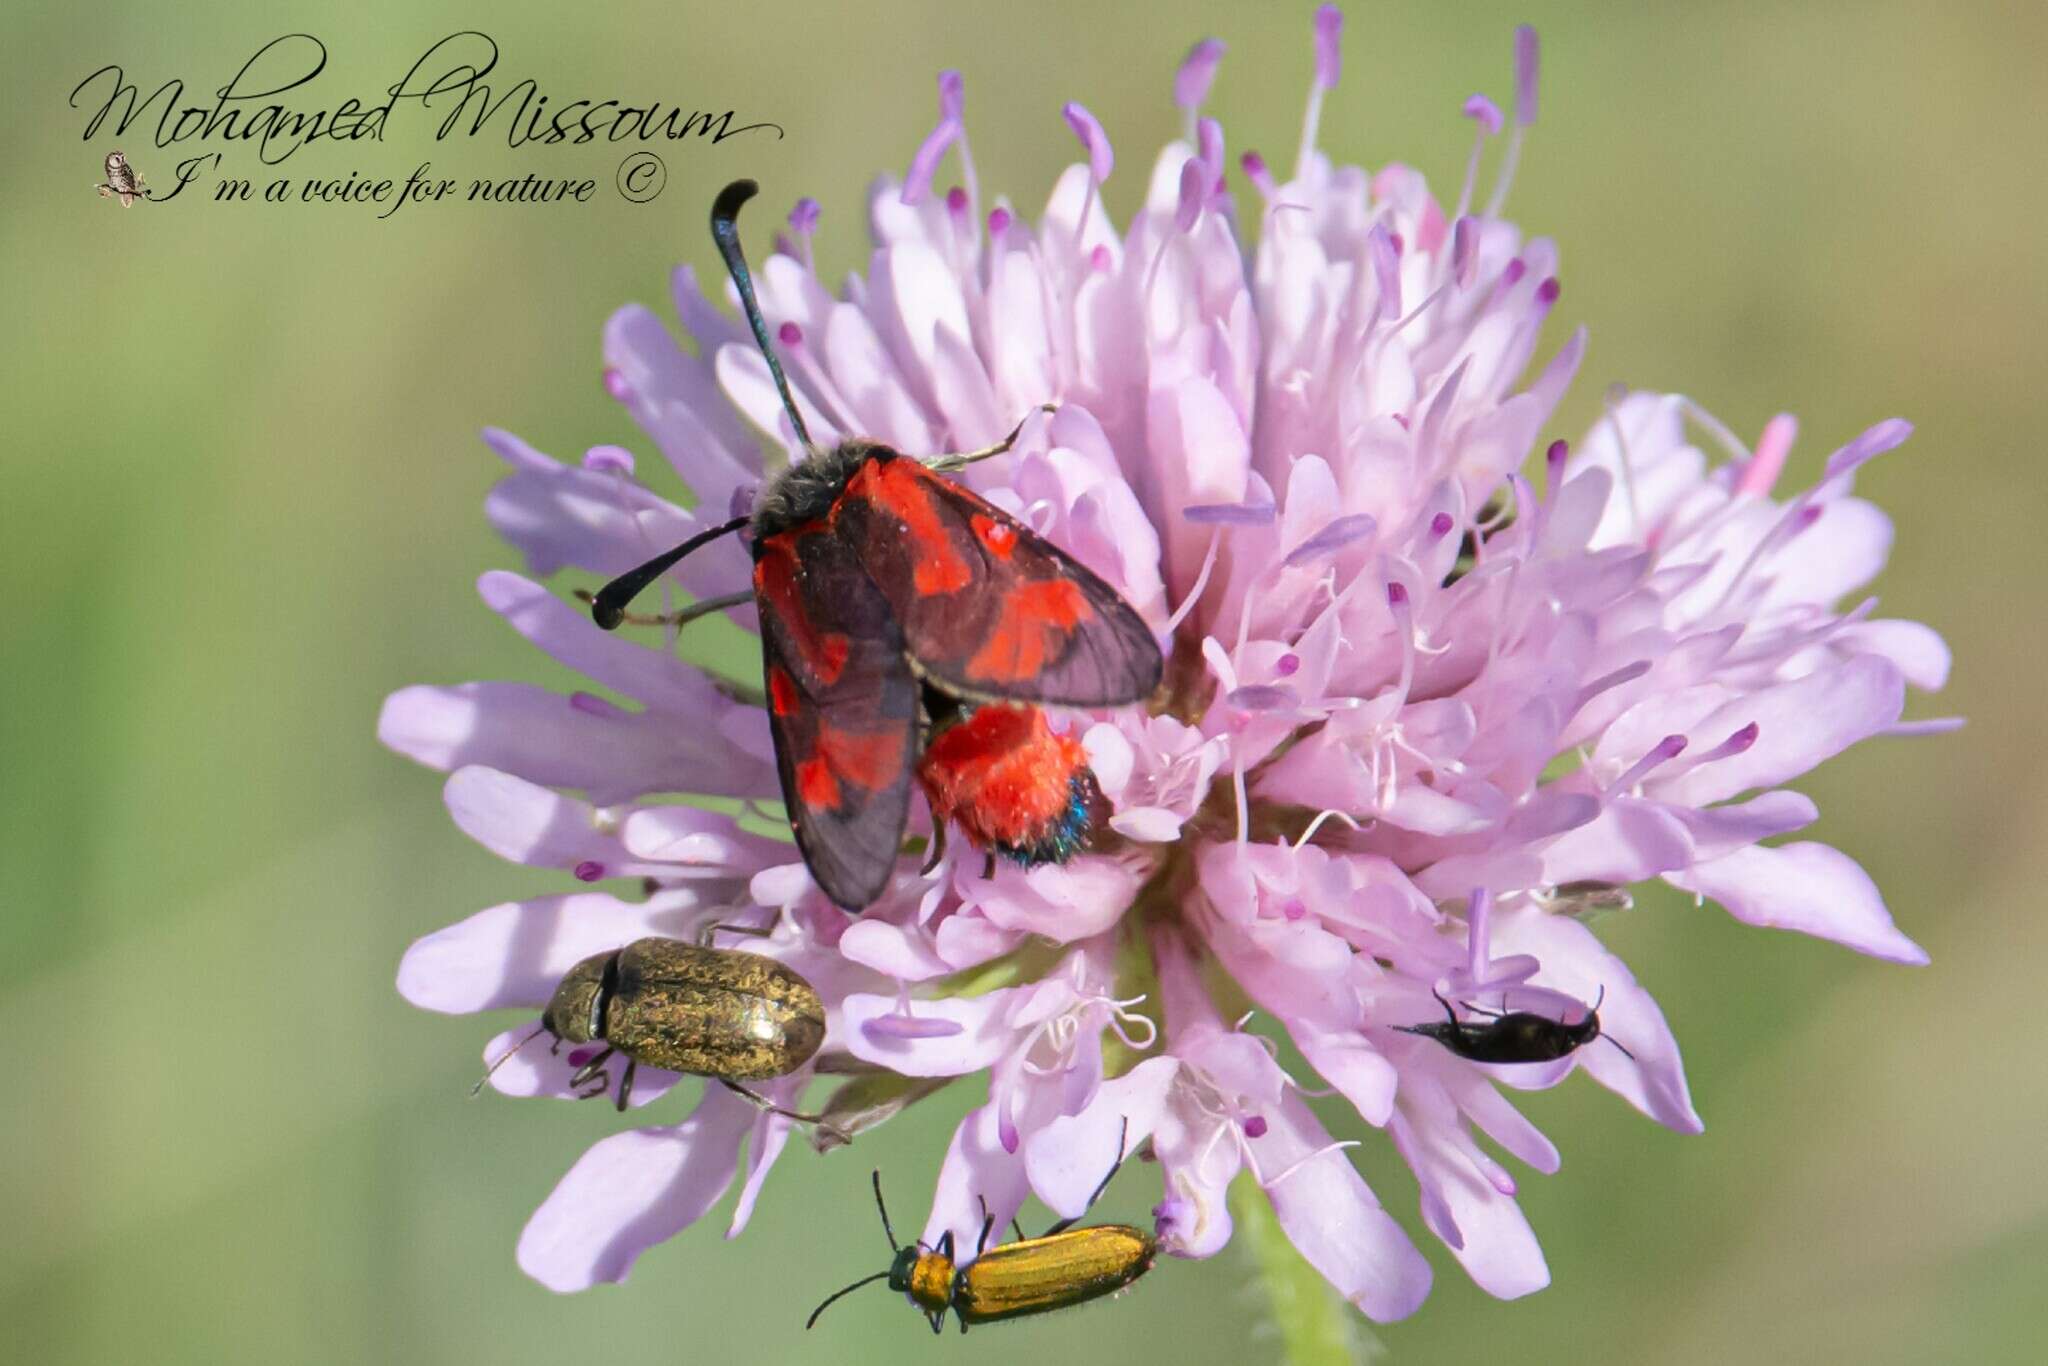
x: 831, y: 661
x: 782, y: 693
x: 1037, y: 618
x: 815, y: 785
x: 896, y: 488
x: 776, y: 591
x: 869, y: 759
x: 999, y: 537
x: 842, y: 759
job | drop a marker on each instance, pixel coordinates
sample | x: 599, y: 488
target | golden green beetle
x: 716, y: 1013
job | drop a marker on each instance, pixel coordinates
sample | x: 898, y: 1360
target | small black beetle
x: 1519, y: 1036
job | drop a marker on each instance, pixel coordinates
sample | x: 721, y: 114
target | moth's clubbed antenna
x: 725, y: 231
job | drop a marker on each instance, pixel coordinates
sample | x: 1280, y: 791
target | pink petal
x: 1918, y: 650
x: 904, y: 952
x: 1629, y: 841
x: 585, y: 519
x: 631, y: 1191
x: 1801, y: 723
x: 978, y: 1172
x: 984, y: 1034
x: 1109, y: 755
x: 770, y: 1135
x: 1147, y: 824
x: 614, y: 659
x: 524, y: 822
x: 1354, y: 1067
x: 516, y: 954
x: 612, y: 755
x: 691, y: 839
x: 1811, y: 888
x: 1066, y: 1159
x: 1063, y: 902
x: 1502, y: 1122
x: 1720, y: 830
x: 1484, y: 1228
x: 1331, y: 1217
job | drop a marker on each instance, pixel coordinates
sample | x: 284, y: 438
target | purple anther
x: 1229, y: 514
x: 608, y: 460
x: 910, y: 1027
x: 1464, y: 251
x: 1875, y: 442
x: 1337, y: 534
x: 1197, y: 72
x: 1485, y: 113
x: 1329, y: 34
x: 1101, y: 159
x: 1527, y: 67
x: 1263, y: 697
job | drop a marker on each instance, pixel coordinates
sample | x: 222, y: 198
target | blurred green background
x: 241, y: 497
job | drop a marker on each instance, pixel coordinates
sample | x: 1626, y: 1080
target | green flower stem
x: 1315, y: 1325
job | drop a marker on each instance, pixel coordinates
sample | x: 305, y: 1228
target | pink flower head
x: 1421, y: 710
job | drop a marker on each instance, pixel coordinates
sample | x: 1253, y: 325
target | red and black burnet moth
x: 886, y: 592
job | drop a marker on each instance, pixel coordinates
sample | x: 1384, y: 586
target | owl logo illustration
x: 123, y: 180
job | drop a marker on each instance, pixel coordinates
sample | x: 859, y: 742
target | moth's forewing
x: 987, y: 607
x: 842, y: 708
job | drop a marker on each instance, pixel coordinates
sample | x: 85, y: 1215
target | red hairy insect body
x: 1012, y: 786
x: 882, y: 587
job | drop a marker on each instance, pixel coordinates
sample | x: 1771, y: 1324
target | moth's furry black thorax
x: 806, y: 491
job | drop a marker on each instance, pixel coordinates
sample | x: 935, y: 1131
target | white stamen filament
x: 1336, y: 1146
x: 1471, y: 173
x: 1508, y: 161
x: 1793, y: 520
x: 1316, y: 825
x: 1628, y: 472
x: 1412, y: 314
x: 1309, y: 121
x: 1201, y: 582
x: 972, y: 184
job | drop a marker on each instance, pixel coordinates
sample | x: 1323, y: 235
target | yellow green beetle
x: 1066, y: 1266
